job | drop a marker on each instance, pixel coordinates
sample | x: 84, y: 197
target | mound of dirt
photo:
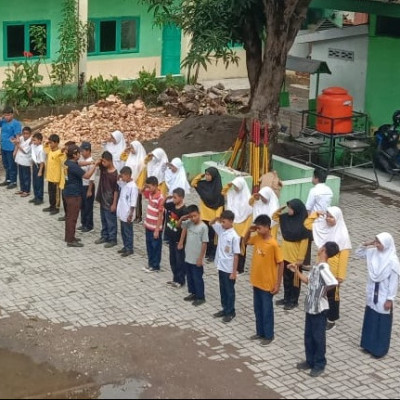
x: 198, y: 134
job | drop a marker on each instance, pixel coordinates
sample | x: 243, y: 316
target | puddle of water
x: 130, y: 389
x: 20, y: 377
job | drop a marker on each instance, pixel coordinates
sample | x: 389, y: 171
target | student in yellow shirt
x: 54, y: 173
x: 209, y: 188
x: 294, y: 248
x: 266, y: 276
x: 330, y: 227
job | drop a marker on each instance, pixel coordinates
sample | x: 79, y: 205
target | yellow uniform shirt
x: 55, y: 160
x: 264, y: 267
x: 207, y: 214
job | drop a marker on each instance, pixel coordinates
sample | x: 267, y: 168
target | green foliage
x: 100, y: 88
x: 212, y: 25
x: 72, y: 36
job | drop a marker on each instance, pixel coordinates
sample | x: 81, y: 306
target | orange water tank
x: 333, y: 106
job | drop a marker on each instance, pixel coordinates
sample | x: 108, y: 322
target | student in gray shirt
x: 195, y: 232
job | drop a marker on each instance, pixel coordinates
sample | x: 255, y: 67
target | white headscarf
x: 269, y: 208
x: 135, y: 160
x: 116, y: 149
x: 323, y: 233
x: 382, y: 263
x: 177, y: 179
x: 238, y: 201
x: 158, y: 165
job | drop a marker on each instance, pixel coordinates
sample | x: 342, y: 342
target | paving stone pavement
x: 40, y: 277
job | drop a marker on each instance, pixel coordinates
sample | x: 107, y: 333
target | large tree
x: 265, y: 28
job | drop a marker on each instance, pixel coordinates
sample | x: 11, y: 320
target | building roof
x: 300, y: 64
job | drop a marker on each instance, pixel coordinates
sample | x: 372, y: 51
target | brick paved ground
x: 40, y: 277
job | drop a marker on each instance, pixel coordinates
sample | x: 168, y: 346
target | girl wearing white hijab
x: 382, y: 285
x: 237, y: 201
x: 116, y: 146
x: 332, y: 228
x: 175, y: 177
x: 266, y: 202
x: 157, y: 162
x: 136, y: 162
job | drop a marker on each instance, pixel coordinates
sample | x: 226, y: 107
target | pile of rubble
x: 96, y: 122
x: 196, y: 100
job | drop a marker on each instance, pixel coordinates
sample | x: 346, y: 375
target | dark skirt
x: 376, y: 332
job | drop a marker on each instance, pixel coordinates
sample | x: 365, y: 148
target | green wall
x: 31, y: 10
x: 383, y: 83
x: 150, y: 37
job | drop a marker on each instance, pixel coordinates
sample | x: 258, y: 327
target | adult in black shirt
x: 73, y: 193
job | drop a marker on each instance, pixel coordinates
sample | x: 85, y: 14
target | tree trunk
x: 253, y: 47
x: 284, y: 19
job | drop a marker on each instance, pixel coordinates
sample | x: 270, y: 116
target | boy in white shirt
x: 23, y: 159
x: 319, y: 281
x: 38, y: 166
x: 320, y: 196
x: 126, y: 209
x: 227, y: 260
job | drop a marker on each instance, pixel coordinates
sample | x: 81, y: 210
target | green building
x: 364, y: 57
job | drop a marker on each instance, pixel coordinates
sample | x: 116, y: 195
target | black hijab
x: 210, y: 192
x: 292, y: 226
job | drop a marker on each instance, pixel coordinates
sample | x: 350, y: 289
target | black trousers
x: 334, y: 305
x: 54, y: 195
x: 291, y: 292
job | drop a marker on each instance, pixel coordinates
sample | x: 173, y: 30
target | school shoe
x: 315, y: 372
x: 228, y: 318
x: 122, y: 251
x: 151, y: 270
x: 32, y: 201
x: 266, y: 342
x: 11, y: 186
x: 80, y: 228
x: 75, y: 244
x: 255, y: 337
x: 38, y: 202
x: 330, y: 325
x: 198, y: 302
x: 170, y: 283
x: 48, y: 209
x: 191, y: 297
x: 303, y: 366
x: 176, y: 285
x: 54, y: 211
x: 87, y: 230
x: 280, y: 302
x: 288, y: 307
x: 100, y: 241
x: 127, y: 253
x: 5, y: 183
x: 219, y: 314
x: 61, y: 219
x: 109, y: 245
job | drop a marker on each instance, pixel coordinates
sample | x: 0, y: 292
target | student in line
x: 175, y: 176
x: 383, y: 280
x: 116, y: 145
x: 194, y: 240
x: 23, y: 159
x: 156, y: 165
x: 237, y: 200
x: 294, y: 248
x: 38, y: 169
x: 127, y: 202
x: 154, y: 224
x: 330, y: 227
x: 319, y: 281
x: 227, y: 262
x: 209, y: 188
x: 266, y: 202
x: 265, y: 277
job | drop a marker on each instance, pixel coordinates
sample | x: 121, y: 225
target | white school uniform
x: 127, y: 199
x: 23, y: 156
x: 319, y: 198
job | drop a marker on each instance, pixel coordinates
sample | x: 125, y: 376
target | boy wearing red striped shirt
x: 154, y: 223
